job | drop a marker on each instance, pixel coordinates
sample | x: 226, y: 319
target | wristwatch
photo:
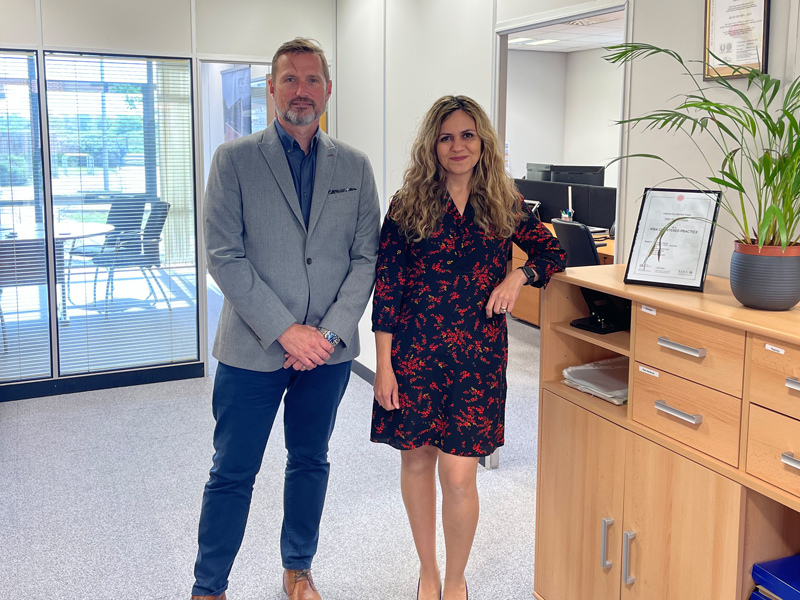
x: 332, y: 338
x: 529, y: 273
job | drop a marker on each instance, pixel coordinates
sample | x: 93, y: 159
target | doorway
x: 558, y: 100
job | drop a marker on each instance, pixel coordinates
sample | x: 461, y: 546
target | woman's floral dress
x: 448, y: 356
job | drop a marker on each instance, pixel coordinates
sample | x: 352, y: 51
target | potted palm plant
x: 757, y: 133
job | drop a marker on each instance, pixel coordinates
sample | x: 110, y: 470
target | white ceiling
x: 573, y: 36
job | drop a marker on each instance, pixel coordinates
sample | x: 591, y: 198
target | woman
x: 439, y: 319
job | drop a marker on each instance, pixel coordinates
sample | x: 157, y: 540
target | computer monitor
x: 593, y: 205
x: 577, y: 174
x: 537, y: 172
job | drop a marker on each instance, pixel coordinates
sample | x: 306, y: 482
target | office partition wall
x: 116, y: 217
x: 24, y: 308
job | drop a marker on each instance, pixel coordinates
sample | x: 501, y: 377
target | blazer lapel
x: 326, y: 161
x: 273, y: 152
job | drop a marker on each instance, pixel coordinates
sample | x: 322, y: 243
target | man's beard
x: 297, y: 118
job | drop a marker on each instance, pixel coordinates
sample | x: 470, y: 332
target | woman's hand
x: 505, y: 295
x: 385, y: 388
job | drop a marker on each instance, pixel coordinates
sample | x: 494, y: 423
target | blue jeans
x: 245, y: 404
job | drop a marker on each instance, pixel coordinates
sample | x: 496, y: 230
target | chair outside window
x: 140, y: 249
x: 125, y: 216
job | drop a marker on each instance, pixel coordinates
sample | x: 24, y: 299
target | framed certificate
x: 736, y: 33
x: 673, y: 238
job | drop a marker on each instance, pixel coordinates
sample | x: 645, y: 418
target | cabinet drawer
x: 771, y: 436
x: 775, y: 376
x: 719, y: 358
x: 657, y: 395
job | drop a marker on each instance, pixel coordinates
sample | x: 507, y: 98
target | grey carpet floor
x: 101, y: 491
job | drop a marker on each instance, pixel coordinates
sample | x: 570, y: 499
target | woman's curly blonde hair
x: 417, y: 206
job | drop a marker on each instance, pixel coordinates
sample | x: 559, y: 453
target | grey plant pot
x: 769, y: 280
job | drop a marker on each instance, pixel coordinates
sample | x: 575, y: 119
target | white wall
x: 124, y: 27
x: 433, y: 48
x: 360, y: 104
x: 593, y: 105
x: 535, y: 109
x: 255, y: 28
x: 18, y: 25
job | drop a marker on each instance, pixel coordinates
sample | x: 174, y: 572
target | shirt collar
x: 288, y: 142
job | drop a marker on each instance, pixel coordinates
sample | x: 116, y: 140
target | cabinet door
x: 687, y: 523
x: 581, y: 482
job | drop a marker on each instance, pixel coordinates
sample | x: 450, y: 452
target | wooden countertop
x: 716, y: 303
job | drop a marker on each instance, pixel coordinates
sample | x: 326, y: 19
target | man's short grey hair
x: 302, y: 45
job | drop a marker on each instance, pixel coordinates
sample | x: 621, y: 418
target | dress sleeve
x: 390, y: 277
x: 545, y: 255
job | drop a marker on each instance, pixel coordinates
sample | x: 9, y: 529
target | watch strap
x: 332, y: 338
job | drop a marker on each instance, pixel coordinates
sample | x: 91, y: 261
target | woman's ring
x: 303, y: 368
x: 502, y: 309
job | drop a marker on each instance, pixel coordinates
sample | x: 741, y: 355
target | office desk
x: 22, y: 256
x: 528, y: 304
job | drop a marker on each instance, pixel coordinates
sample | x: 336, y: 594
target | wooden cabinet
x: 597, y: 483
x: 685, y: 521
x: 581, y: 485
x: 706, y: 487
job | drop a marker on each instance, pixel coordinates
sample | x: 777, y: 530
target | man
x: 292, y: 225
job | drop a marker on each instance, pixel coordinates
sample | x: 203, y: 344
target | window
x: 25, y: 350
x: 121, y: 160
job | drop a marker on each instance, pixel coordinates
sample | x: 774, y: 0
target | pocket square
x: 341, y: 191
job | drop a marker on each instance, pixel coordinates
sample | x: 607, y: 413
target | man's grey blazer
x: 272, y: 271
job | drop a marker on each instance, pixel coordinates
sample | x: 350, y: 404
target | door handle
x: 667, y: 343
x: 605, y: 524
x: 793, y: 383
x: 627, y: 536
x: 664, y: 407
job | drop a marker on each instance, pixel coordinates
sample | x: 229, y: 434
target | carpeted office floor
x: 101, y: 491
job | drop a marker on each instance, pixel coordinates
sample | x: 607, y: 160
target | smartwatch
x: 529, y: 273
x: 332, y: 338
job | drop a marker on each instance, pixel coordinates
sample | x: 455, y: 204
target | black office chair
x: 607, y: 314
x: 140, y: 250
x: 578, y: 242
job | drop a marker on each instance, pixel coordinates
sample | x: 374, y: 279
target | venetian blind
x: 121, y: 154
x: 24, y: 315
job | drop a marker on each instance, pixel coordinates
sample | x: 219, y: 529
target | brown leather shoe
x: 220, y: 597
x: 299, y: 585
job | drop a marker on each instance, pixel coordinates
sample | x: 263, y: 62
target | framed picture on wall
x: 672, y: 241
x: 736, y: 33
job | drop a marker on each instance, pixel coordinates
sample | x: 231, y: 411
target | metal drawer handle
x: 667, y: 343
x: 627, y: 536
x: 604, y: 562
x: 793, y: 383
x: 664, y: 407
x: 788, y: 458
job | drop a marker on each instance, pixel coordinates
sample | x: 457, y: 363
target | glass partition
x: 122, y: 166
x: 25, y: 350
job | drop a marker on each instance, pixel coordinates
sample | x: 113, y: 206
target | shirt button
x: 308, y: 261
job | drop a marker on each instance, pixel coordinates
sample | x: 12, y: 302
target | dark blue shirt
x: 303, y: 167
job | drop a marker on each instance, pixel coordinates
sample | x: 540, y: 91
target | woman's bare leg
x: 418, y: 485
x: 460, y: 509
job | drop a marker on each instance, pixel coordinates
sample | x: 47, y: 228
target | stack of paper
x: 606, y: 379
